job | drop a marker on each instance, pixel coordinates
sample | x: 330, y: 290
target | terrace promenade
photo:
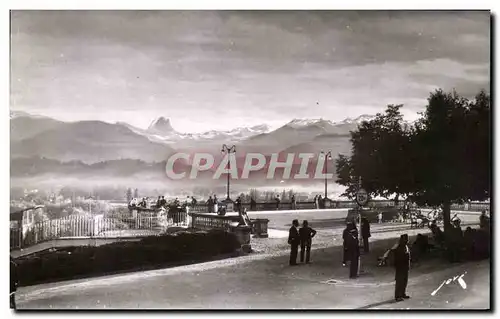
x: 263, y: 280
x: 329, y: 220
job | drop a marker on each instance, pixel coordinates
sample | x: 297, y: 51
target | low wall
x: 271, y: 206
x: 211, y: 221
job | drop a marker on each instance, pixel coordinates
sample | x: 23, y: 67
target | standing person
x: 238, y: 204
x: 216, y: 204
x: 14, y: 282
x: 316, y: 202
x: 210, y: 205
x: 345, y: 234
x: 278, y: 202
x: 306, y: 234
x: 402, y: 265
x: 365, y: 234
x: 380, y: 217
x: 158, y: 202
x: 320, y: 202
x: 353, y: 251
x: 294, y: 241
x: 294, y: 203
x: 163, y: 202
x: 187, y: 204
x: 253, y: 204
x: 483, y: 220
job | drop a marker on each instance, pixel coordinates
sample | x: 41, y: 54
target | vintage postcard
x: 250, y: 160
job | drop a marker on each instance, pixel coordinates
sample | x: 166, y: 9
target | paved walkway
x: 264, y: 281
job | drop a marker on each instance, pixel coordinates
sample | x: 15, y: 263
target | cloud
x: 221, y: 68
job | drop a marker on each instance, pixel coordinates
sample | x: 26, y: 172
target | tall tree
x: 452, y: 145
x: 379, y: 156
x: 443, y: 158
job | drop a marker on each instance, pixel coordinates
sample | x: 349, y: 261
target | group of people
x: 213, y: 204
x: 319, y: 202
x: 300, y: 237
x: 471, y: 244
x: 161, y: 202
x: 351, y: 247
x: 143, y: 202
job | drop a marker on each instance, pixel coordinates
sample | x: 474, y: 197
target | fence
x: 141, y: 225
x: 93, y: 226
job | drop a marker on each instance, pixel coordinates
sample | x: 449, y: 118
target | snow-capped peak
x: 237, y: 132
x: 359, y: 119
x: 161, y: 125
x: 305, y: 122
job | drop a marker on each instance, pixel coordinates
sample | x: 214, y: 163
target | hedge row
x: 150, y: 252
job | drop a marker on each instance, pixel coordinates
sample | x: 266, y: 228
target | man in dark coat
x: 345, y: 238
x: 294, y: 203
x: 483, y: 220
x: 210, y: 205
x: 14, y: 282
x: 238, y: 204
x: 253, y: 204
x: 353, y: 251
x: 306, y: 234
x: 402, y: 265
x: 294, y: 241
x: 365, y: 234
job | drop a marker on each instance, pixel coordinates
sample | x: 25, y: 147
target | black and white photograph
x: 250, y: 159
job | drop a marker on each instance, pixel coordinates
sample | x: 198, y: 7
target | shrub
x: 150, y: 252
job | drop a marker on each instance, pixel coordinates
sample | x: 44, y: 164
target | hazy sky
x: 219, y: 70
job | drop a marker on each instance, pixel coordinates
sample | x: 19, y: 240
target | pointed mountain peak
x: 161, y: 125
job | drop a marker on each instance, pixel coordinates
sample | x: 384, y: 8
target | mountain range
x: 40, y: 145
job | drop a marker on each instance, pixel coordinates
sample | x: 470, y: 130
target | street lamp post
x: 328, y: 155
x: 228, y: 150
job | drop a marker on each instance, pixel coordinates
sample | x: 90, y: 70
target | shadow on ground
x: 378, y: 304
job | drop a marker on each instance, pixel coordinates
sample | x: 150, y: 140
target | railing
x: 210, y: 221
x: 93, y: 226
x: 116, y: 226
x: 264, y: 206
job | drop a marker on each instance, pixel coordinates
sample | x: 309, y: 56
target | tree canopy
x: 380, y: 151
x: 442, y: 158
